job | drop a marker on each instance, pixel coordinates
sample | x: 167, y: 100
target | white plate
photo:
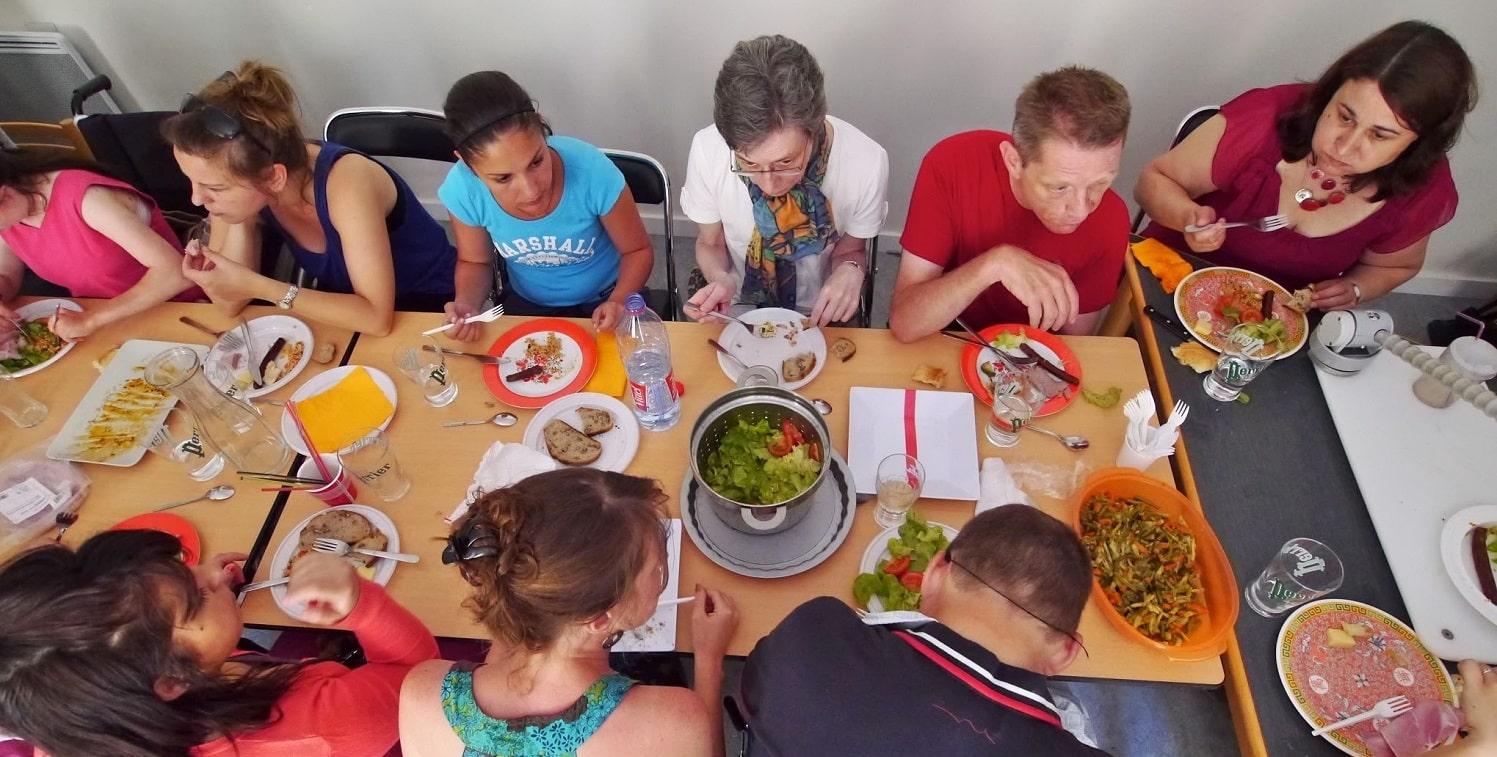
x: 571, y: 362
x: 878, y: 549
x: 945, y: 435
x: 1455, y: 552
x: 658, y: 634
x: 129, y: 362
x: 753, y: 349
x: 44, y: 309
x: 219, y: 365
x: 383, y: 569
x: 619, y: 445
x: 324, y: 381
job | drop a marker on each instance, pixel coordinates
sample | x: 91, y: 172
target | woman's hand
x: 326, y: 585
x: 1479, y: 703
x: 1210, y: 238
x: 714, y: 617
x: 1335, y: 294
x: 463, y: 332
x: 72, y: 325
x: 839, y: 296
x: 224, y: 279
x: 606, y: 316
x: 226, y: 567
x: 715, y: 296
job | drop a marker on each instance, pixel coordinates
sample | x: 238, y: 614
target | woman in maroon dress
x: 1355, y: 161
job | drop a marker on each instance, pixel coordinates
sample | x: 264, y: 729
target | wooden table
x: 120, y: 493
x: 440, y: 463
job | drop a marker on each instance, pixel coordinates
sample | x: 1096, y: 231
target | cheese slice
x: 345, y: 411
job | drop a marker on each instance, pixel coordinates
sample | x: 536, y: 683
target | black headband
x: 475, y: 132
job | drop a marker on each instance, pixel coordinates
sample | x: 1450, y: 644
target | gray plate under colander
x: 796, y: 550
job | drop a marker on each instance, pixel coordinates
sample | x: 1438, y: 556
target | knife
x: 1051, y: 368
x: 1169, y: 324
x: 485, y: 359
x: 249, y: 356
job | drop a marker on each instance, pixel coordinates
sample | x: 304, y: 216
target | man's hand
x: 716, y: 295
x: 839, y: 296
x: 1043, y: 287
x: 1210, y: 238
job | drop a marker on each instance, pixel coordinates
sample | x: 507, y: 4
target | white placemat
x: 944, y: 434
x: 658, y: 634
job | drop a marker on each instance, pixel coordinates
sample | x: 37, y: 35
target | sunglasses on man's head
x: 220, y: 123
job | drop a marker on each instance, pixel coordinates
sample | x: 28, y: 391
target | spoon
x: 1071, y: 442
x: 217, y: 494
x: 825, y: 408
x: 503, y: 420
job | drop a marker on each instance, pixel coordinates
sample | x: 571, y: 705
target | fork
x: 1388, y: 708
x: 1266, y: 223
x: 1177, y: 417
x: 342, y: 548
x: 256, y: 378
x: 486, y: 316
x: 66, y: 520
x: 724, y: 316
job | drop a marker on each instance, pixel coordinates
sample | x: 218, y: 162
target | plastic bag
x: 33, y: 490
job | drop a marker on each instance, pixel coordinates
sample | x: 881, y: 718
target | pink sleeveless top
x: 66, y: 251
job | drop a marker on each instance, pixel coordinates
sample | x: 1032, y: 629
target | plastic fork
x: 1177, y: 417
x: 487, y: 316
x: 1266, y: 223
x: 342, y: 548
x: 1388, y: 708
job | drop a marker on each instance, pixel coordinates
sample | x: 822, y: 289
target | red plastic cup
x: 340, y: 491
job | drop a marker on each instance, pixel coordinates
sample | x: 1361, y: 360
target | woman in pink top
x: 120, y: 649
x: 1356, y: 161
x: 91, y: 234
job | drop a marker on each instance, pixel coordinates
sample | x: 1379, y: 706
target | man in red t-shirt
x: 1020, y: 229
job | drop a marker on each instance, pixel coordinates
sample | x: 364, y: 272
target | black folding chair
x: 1188, y: 124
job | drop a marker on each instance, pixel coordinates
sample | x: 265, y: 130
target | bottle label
x: 656, y: 398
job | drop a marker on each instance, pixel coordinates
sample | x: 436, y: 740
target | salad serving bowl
x: 760, y: 412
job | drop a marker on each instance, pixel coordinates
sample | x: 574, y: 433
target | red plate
x: 579, y: 359
x: 167, y: 523
x: 972, y: 373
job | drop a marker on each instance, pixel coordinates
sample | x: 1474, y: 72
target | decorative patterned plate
x: 1327, y: 684
x: 1199, y: 292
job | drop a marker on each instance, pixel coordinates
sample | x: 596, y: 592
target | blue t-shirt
x: 565, y: 258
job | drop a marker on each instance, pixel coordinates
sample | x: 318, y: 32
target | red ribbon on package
x: 911, y: 445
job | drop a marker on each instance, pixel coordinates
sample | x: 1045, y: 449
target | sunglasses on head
x: 473, y: 541
x: 221, y: 123
x: 951, y: 558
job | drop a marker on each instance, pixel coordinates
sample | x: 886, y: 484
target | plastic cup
x: 900, y: 480
x: 421, y: 361
x: 372, y: 460
x: 1303, y: 569
x: 340, y: 491
x: 21, y: 408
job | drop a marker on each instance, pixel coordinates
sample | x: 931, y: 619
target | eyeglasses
x: 1068, y: 634
x: 733, y: 160
x: 221, y: 123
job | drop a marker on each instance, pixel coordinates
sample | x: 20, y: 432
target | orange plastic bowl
x: 1209, y: 639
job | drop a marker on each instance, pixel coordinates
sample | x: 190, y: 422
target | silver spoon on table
x: 217, y: 494
x: 1072, y: 442
x: 502, y: 420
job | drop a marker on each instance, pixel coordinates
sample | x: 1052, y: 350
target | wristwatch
x: 289, y: 297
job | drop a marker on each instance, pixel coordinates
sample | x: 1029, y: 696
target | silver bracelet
x: 1356, y: 294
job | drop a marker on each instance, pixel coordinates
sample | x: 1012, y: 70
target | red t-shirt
x: 963, y: 205
x: 1245, y: 172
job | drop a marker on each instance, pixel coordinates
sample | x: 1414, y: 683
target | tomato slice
x: 815, y: 452
x: 779, y: 447
x: 912, y: 580
x: 791, y: 432
x: 898, y: 566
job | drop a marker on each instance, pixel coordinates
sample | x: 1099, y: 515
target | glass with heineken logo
x: 1244, y: 355
x: 1304, y: 569
x: 421, y: 361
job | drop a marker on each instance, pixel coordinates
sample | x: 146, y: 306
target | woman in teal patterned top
x: 561, y: 565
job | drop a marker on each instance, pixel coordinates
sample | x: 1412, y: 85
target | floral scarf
x: 787, y: 228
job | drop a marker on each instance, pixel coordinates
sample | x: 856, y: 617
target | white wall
x: 638, y: 73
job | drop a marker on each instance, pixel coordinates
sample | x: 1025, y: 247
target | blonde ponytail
x: 260, y: 97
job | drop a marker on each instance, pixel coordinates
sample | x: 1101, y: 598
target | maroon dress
x: 1245, y: 173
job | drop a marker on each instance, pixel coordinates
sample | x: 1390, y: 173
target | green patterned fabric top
x: 558, y: 735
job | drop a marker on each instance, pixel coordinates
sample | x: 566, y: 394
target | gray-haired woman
x: 785, y: 197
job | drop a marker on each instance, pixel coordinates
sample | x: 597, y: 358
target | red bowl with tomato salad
x: 1213, y: 610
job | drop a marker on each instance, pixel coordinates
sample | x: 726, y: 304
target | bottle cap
x: 634, y: 304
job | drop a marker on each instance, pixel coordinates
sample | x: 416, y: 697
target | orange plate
x: 167, y: 523
x: 971, y: 373
x: 567, y: 330
x: 1220, y: 588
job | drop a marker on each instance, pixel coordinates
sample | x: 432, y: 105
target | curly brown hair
x: 570, y: 544
x: 1428, y: 81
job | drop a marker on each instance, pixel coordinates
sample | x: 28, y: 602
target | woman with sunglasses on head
x: 785, y: 197
x: 554, y: 210
x: 354, y: 225
x: 72, y: 224
x: 119, y: 649
x: 562, y: 564
x: 1356, y: 161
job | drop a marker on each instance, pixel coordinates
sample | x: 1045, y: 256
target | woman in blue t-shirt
x: 555, y: 209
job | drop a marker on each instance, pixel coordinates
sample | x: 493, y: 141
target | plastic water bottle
x: 647, y: 359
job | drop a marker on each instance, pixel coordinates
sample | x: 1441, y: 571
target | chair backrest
x: 651, y: 185
x: 131, y: 145
x: 392, y: 132
x: 34, y: 135
x: 1188, y: 124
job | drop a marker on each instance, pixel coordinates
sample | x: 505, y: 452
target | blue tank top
x: 555, y: 736
x: 424, y: 259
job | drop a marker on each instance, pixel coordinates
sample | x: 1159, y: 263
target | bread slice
x: 570, y: 446
x: 843, y: 349
x: 595, y: 420
x: 343, y: 525
x: 797, y: 367
x: 930, y: 376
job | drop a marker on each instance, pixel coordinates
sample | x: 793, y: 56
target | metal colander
x: 752, y: 403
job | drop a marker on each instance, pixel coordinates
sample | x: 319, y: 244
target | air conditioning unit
x: 38, y: 72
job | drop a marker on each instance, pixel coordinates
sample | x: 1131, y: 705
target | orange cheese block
x: 339, y: 415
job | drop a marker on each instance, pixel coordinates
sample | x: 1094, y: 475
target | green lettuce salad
x: 34, y: 345
x: 897, y: 580
x: 759, y: 464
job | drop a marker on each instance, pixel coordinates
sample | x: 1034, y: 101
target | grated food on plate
x: 1144, y: 561
x: 122, y: 421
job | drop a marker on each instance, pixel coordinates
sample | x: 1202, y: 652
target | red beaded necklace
x: 1335, y: 185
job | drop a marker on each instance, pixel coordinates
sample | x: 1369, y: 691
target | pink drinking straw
x: 307, y: 440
